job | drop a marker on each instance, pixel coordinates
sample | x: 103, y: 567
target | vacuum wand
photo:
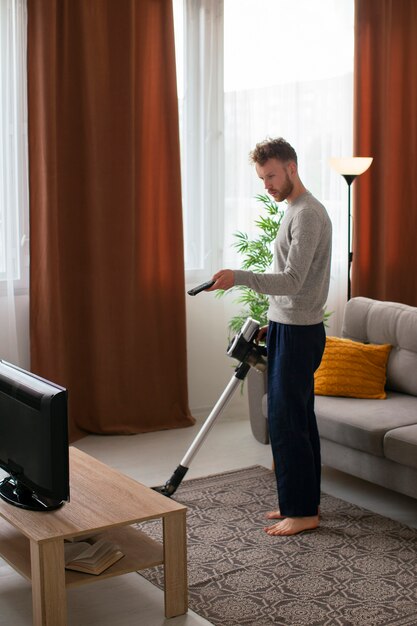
x: 244, y: 348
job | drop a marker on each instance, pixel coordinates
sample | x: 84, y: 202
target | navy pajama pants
x: 294, y: 353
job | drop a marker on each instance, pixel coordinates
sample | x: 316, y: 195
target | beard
x: 283, y: 193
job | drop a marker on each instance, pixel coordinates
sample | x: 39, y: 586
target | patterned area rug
x: 358, y: 568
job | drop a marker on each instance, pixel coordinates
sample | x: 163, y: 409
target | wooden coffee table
x: 102, y: 501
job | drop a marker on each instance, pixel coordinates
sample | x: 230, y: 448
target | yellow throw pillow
x: 352, y: 369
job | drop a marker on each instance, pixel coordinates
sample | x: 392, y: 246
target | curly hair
x: 273, y: 149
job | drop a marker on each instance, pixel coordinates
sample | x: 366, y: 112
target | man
x: 298, y: 289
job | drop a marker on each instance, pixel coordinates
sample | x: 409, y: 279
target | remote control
x: 202, y: 287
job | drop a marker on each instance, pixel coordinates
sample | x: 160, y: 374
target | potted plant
x: 257, y: 257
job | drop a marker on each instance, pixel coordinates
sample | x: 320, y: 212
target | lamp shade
x: 352, y: 166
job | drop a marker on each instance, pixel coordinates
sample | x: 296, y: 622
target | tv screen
x: 33, y: 440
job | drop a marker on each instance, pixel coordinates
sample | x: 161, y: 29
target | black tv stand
x: 16, y: 493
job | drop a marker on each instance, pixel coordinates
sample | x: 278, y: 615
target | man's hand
x: 225, y: 279
x: 261, y: 336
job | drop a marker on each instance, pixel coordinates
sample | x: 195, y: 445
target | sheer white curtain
x: 13, y: 174
x: 199, y: 49
x: 289, y: 73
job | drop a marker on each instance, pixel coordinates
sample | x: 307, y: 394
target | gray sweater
x: 299, y: 284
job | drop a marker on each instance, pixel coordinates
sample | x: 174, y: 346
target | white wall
x: 209, y: 368
x: 22, y: 331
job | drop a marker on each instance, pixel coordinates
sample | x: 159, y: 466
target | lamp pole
x: 350, y: 168
x: 349, y: 178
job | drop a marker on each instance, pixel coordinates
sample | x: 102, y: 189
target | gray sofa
x: 373, y: 439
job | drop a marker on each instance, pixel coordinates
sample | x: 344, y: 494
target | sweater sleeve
x: 305, y: 232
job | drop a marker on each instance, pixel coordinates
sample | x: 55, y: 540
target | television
x: 34, y: 451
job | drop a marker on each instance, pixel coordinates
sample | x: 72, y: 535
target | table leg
x: 175, y: 563
x: 49, y: 599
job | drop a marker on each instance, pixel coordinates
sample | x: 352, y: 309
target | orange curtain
x: 385, y: 220
x: 107, y: 303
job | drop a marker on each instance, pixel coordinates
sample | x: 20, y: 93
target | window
x: 199, y: 45
x: 14, y: 214
x: 252, y: 69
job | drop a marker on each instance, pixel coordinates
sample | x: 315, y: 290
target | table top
x: 101, y: 498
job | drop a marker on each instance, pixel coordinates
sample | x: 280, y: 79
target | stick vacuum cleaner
x: 249, y: 354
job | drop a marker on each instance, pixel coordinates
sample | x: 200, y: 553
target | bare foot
x: 292, y: 526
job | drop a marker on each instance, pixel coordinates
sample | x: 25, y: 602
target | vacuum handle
x: 202, y: 287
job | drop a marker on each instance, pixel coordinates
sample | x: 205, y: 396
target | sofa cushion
x: 400, y: 445
x: 373, y: 321
x: 362, y: 424
x: 352, y: 369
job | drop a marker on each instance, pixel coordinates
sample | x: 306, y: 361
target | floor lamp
x: 350, y: 168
